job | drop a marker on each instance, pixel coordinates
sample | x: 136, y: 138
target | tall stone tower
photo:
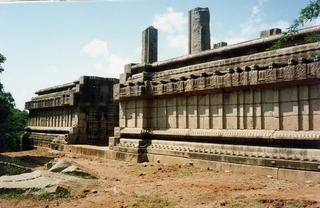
x: 199, y: 31
x: 149, y: 45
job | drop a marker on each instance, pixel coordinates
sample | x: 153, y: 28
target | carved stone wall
x: 240, y: 95
x: 81, y: 112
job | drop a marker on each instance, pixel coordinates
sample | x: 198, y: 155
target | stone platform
x: 201, y: 159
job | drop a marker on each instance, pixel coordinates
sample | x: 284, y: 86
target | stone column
x: 149, y: 45
x: 199, y: 30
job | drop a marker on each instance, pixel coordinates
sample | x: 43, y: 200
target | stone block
x: 127, y: 68
x: 315, y: 120
x: 199, y: 30
x: 231, y: 122
x: 219, y: 45
x: 172, y: 122
x: 124, y: 77
x: 299, y: 175
x: 193, y: 122
x: 204, y: 122
x: 267, y: 33
x: 162, y: 122
x: 290, y: 123
x: 149, y: 45
x: 271, y: 123
x: 314, y: 91
x: 289, y: 94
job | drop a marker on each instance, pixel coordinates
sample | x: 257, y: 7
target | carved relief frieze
x: 240, y: 76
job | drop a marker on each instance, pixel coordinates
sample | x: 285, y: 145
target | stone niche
x: 236, y: 103
x: 80, y: 112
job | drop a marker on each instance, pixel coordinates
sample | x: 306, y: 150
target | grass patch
x: 144, y: 170
x: 15, y: 194
x: 232, y: 205
x: 11, y: 170
x: 293, y: 205
x: 81, y: 175
x: 153, y: 201
x: 184, y: 174
x: 255, y: 201
x: 62, y: 193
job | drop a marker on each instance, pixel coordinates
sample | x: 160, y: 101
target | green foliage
x: 150, y: 201
x: 6, y: 104
x: 309, y: 13
x: 2, y: 59
x: 9, y: 170
x: 16, y: 194
x: 81, y: 175
x: 10, y: 195
x: 12, y: 121
x: 11, y: 130
x: 61, y: 193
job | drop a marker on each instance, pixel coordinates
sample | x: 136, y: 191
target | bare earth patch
x: 123, y: 184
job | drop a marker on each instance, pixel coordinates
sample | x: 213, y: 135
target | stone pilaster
x: 149, y: 45
x: 199, y: 30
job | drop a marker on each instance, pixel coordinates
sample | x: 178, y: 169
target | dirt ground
x: 124, y: 184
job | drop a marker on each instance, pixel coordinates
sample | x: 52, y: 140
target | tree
x: 12, y: 129
x: 309, y: 13
x: 12, y: 120
x: 6, y: 99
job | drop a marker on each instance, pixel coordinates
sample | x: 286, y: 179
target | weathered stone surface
x: 37, y: 182
x: 79, y: 112
x: 235, y: 95
x: 70, y: 167
x: 199, y: 30
x: 149, y: 45
x: 267, y: 33
x: 219, y: 45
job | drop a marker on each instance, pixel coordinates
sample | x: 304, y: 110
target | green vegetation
x: 153, y: 201
x: 11, y: 195
x: 309, y: 13
x: 144, y: 170
x: 232, y: 205
x: 62, y: 193
x: 15, y: 194
x: 293, y: 205
x: 12, y: 120
x: 10, y: 170
x: 81, y: 175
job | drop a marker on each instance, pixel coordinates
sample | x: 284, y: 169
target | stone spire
x: 149, y: 45
x: 199, y: 31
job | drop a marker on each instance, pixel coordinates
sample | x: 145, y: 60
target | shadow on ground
x: 27, y: 161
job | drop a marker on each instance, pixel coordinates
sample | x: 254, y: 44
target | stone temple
x: 80, y: 112
x: 232, y: 107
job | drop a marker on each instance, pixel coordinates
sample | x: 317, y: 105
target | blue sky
x: 52, y: 43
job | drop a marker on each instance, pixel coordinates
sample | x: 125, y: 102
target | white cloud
x: 248, y: 29
x: 231, y: 41
x: 283, y: 25
x: 255, y: 10
x: 106, y: 61
x: 179, y: 41
x: 96, y: 48
x: 312, y: 23
x: 98, y: 66
x: 116, y: 64
x: 170, y: 21
x: 53, y: 69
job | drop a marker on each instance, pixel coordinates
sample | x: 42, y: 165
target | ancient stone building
x: 79, y: 112
x: 238, y: 104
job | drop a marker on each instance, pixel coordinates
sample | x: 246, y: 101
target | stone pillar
x: 149, y: 45
x: 199, y: 31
